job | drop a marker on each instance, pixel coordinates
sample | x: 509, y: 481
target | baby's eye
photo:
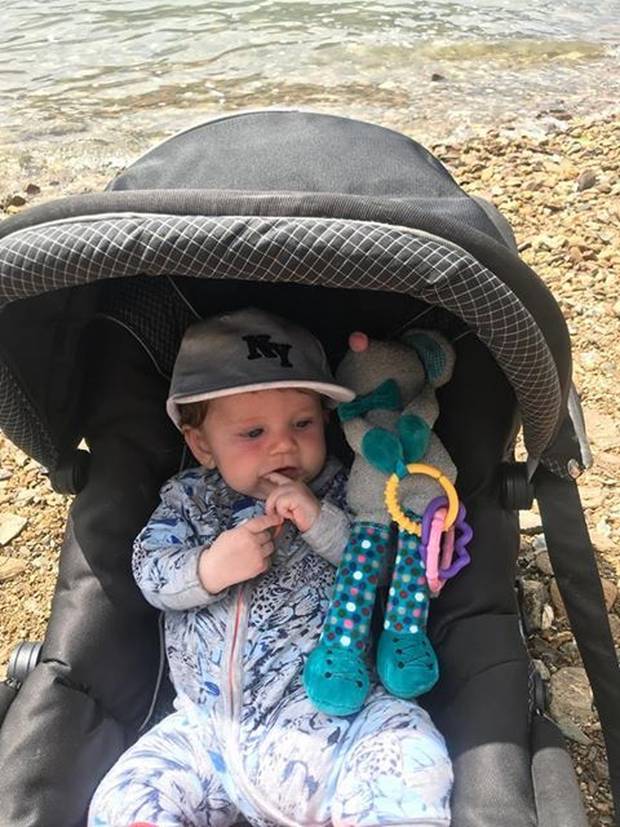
x: 254, y: 433
x: 303, y: 423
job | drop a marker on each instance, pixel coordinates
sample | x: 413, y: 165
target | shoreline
x: 561, y: 193
x: 76, y: 163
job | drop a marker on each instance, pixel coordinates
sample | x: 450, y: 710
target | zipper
x: 233, y: 680
x: 234, y: 697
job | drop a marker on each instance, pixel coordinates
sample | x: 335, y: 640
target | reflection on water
x: 152, y: 66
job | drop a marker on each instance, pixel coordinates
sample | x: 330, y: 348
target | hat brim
x: 335, y: 393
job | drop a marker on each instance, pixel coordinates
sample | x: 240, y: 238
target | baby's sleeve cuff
x: 329, y: 534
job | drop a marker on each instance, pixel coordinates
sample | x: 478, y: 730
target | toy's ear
x: 358, y: 341
x: 435, y: 352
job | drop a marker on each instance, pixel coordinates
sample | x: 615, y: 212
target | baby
x: 241, y: 556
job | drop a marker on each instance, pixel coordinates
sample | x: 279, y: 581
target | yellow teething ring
x: 399, y: 516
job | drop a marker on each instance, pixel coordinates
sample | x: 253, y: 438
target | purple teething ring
x: 463, y: 534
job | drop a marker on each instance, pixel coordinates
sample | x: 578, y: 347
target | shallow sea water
x: 105, y: 80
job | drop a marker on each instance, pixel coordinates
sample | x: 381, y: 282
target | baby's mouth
x: 288, y: 471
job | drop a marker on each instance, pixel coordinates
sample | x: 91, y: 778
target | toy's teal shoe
x: 406, y: 663
x: 336, y: 680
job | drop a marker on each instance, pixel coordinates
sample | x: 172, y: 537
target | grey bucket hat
x: 248, y: 350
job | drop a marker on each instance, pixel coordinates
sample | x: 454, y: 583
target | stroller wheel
x: 23, y: 660
x: 517, y: 492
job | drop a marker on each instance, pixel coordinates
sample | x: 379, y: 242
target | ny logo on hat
x: 260, y: 345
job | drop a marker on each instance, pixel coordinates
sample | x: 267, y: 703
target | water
x: 122, y: 73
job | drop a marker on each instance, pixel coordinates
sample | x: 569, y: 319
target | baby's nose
x: 283, y: 442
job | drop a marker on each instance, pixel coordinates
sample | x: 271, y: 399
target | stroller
x: 339, y: 225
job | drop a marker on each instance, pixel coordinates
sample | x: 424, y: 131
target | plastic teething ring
x: 399, y: 516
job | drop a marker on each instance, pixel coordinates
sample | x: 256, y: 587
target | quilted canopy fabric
x: 321, y: 252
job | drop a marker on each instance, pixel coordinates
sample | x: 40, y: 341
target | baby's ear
x: 199, y: 446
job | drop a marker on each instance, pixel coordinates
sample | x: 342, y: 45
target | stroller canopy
x: 347, y: 205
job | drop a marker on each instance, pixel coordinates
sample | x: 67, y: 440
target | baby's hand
x: 238, y: 554
x: 292, y: 501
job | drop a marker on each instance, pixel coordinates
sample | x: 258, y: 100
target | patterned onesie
x: 244, y: 741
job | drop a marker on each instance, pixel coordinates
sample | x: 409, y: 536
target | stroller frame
x: 293, y: 211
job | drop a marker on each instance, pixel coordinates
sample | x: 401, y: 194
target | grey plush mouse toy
x: 389, y: 426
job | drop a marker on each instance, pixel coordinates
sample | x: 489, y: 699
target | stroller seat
x: 338, y: 225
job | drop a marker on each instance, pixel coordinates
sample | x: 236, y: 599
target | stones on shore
x: 571, y: 695
x: 10, y: 567
x: 529, y: 522
x: 535, y: 596
x: 559, y: 192
x: 556, y: 598
x: 614, y: 625
x: 558, y: 112
x: 610, y: 593
x: 15, y: 201
x: 543, y: 563
x: 572, y: 732
x: 32, y: 526
x: 588, y: 178
x: 10, y: 527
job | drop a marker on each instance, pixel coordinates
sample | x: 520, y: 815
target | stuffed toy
x: 400, y: 467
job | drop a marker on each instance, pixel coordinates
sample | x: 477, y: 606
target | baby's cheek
x: 245, y: 455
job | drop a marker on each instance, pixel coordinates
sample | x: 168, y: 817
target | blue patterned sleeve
x: 167, y: 550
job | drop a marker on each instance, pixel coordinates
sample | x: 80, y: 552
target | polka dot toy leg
x: 406, y: 662
x: 336, y: 673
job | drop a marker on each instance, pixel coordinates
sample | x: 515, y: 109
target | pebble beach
x: 560, y: 190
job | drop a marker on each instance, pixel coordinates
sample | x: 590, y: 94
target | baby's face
x: 250, y: 435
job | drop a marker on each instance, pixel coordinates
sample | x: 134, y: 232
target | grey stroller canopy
x: 341, y: 225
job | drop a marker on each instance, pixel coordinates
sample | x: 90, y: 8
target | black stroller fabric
x: 340, y: 225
